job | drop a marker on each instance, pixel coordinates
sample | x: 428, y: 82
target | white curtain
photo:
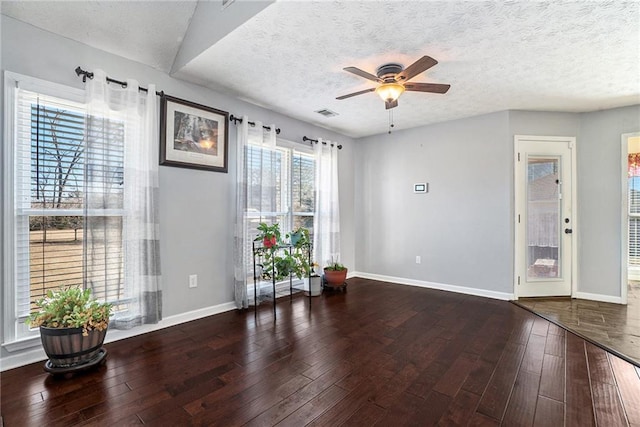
x: 122, y: 255
x: 326, y: 221
x: 257, y: 174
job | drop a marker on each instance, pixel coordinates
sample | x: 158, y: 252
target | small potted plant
x: 269, y: 234
x: 299, y: 237
x: 335, y: 275
x: 73, y: 326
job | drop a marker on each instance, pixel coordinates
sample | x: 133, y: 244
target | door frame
x: 624, y: 219
x: 517, y: 252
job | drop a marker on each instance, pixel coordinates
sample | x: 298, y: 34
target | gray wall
x: 600, y: 198
x: 197, y: 208
x: 461, y: 227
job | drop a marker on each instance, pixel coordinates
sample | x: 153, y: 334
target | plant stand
x: 335, y: 279
x: 258, y: 247
x: 70, y: 351
x: 340, y: 288
x: 98, y: 360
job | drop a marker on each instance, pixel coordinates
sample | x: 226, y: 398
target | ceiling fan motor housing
x: 388, y: 71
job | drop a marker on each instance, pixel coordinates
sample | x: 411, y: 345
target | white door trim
x: 571, y: 141
x: 624, y: 222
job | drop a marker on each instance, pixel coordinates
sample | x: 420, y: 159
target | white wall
x: 197, y: 208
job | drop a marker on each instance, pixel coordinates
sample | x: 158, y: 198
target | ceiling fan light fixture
x: 390, y: 92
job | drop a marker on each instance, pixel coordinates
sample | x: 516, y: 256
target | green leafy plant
x: 299, y: 239
x: 279, y: 258
x: 335, y: 266
x: 269, y: 235
x: 71, y: 307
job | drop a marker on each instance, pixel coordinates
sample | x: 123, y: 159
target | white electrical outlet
x: 193, y: 280
x: 418, y: 259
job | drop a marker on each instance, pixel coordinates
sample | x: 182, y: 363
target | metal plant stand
x: 258, y: 248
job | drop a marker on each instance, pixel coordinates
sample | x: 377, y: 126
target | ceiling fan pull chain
x: 390, y: 120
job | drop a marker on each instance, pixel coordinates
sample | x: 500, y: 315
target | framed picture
x: 193, y: 136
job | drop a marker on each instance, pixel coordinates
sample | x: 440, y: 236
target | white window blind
x: 280, y: 188
x: 50, y: 153
x: 303, y: 190
x: 634, y: 222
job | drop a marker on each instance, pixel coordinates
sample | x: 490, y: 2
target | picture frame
x: 193, y: 136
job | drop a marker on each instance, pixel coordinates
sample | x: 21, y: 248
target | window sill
x: 23, y: 344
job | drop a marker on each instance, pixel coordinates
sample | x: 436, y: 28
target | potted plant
x: 335, y: 275
x: 73, y: 326
x: 269, y: 234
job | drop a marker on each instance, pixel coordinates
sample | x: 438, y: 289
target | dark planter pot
x: 67, y: 347
x: 335, y: 278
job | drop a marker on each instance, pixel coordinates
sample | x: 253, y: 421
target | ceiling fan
x: 393, y: 79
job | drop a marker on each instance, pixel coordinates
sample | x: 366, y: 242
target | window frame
x: 15, y: 328
x: 291, y: 148
x: 16, y: 334
x: 294, y: 147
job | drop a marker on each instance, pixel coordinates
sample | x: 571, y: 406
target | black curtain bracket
x: 89, y: 75
x: 235, y: 120
x: 315, y: 141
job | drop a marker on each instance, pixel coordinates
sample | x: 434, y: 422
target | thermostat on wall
x: 422, y: 187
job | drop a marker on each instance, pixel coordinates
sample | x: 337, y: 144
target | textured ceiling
x: 549, y: 55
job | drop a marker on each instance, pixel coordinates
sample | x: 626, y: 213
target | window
x: 634, y: 219
x: 280, y: 188
x: 46, y: 203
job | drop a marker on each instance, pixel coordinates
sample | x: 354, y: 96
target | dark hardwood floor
x: 379, y: 354
x: 615, y: 326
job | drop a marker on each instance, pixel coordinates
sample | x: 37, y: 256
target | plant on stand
x: 299, y: 239
x: 270, y: 237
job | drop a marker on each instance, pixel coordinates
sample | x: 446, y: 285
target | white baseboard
x: 37, y: 354
x: 432, y: 285
x: 598, y: 297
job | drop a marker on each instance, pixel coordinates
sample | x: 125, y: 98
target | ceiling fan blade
x: 362, y: 73
x: 390, y: 104
x: 422, y: 64
x: 427, y: 87
x: 356, y: 93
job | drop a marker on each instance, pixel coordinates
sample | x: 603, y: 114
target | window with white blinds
x: 49, y: 153
x: 280, y: 188
x: 303, y: 190
x: 634, y: 221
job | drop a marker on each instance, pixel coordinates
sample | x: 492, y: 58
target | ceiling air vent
x: 327, y: 113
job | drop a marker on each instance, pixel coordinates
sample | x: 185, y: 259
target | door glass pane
x: 543, y: 218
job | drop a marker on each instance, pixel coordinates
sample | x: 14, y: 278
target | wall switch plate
x: 418, y: 259
x: 193, y: 280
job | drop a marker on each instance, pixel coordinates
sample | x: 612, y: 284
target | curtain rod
x: 305, y: 139
x: 89, y: 75
x: 235, y: 120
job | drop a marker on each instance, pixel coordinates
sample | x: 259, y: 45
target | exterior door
x: 544, y: 221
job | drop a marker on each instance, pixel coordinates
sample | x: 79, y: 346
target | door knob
x: 568, y: 231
